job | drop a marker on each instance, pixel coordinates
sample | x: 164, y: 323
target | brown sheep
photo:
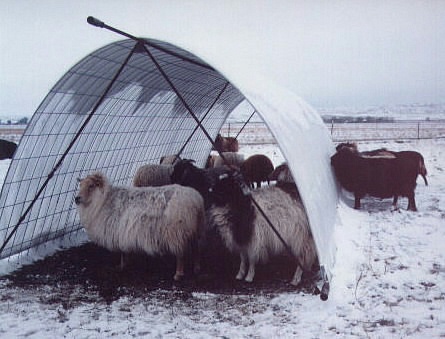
x: 256, y: 169
x: 226, y: 144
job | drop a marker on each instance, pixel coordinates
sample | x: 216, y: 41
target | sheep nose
x: 77, y: 200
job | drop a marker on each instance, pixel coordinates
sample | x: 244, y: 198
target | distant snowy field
x: 418, y: 111
x: 389, y: 282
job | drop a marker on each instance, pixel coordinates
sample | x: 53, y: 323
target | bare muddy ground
x: 89, y: 273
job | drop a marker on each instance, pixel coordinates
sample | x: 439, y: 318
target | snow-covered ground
x: 389, y: 282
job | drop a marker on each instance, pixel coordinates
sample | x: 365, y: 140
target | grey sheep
x: 153, y: 175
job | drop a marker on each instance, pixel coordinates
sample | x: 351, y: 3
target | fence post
x: 418, y: 130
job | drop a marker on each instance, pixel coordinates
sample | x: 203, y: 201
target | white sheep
x: 153, y: 175
x: 244, y: 230
x: 156, y: 220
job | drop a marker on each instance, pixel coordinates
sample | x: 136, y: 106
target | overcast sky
x: 331, y: 53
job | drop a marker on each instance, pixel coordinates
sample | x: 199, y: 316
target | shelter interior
x: 124, y: 105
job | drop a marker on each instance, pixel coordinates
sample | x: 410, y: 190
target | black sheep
x: 203, y: 180
x: 381, y: 177
x: 7, y: 149
x: 407, y: 156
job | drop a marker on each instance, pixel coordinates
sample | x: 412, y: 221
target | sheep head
x: 181, y: 170
x: 352, y: 146
x: 230, y: 188
x: 90, y: 187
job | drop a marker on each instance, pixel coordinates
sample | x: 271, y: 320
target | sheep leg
x: 124, y: 261
x: 179, y: 267
x: 356, y: 201
x: 122, y: 265
x: 242, y: 267
x: 297, y: 276
x: 394, y: 202
x: 251, y: 272
x: 196, y: 251
x: 412, y: 203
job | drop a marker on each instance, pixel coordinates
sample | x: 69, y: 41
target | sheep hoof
x: 178, y: 276
x: 239, y: 277
x: 295, y: 283
x: 248, y: 279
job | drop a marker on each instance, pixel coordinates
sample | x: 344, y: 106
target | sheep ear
x: 98, y: 180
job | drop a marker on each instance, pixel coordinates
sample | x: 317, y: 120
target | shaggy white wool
x: 156, y: 220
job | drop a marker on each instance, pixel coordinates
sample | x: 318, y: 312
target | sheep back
x: 257, y: 169
x: 152, y: 175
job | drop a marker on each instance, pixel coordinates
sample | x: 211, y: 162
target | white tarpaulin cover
x: 127, y: 104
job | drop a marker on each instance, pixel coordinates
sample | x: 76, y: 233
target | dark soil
x: 89, y: 273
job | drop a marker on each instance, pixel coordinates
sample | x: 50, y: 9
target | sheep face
x: 180, y: 169
x: 225, y: 144
x: 90, y: 188
x: 352, y: 146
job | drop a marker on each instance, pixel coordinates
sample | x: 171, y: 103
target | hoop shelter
x: 130, y: 103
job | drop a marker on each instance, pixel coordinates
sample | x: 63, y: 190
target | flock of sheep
x: 172, y: 206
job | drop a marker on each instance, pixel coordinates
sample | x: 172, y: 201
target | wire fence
x: 12, y: 132
x: 257, y: 132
